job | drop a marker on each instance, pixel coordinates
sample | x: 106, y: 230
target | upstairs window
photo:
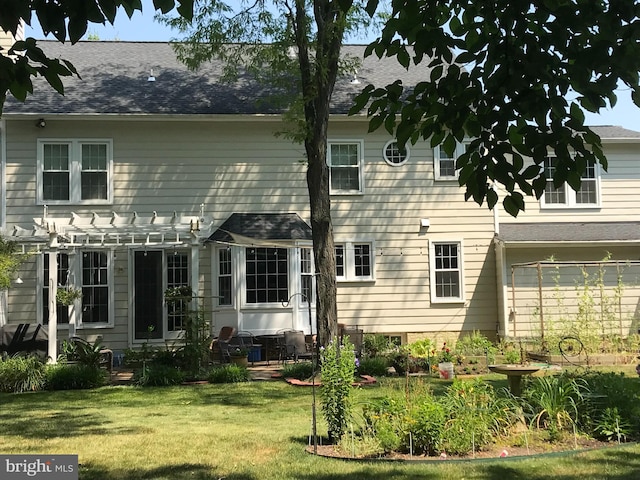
x: 345, y: 167
x: 588, y: 195
x: 395, y: 156
x: 74, y: 171
x: 444, y: 165
x: 354, y: 261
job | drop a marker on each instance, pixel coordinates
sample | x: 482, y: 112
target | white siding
x: 168, y: 166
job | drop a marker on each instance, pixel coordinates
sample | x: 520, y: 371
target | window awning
x: 263, y: 229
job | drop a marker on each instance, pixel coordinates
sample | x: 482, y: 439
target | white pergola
x: 51, y: 235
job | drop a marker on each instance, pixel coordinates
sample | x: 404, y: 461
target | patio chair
x: 356, y: 337
x: 296, y: 347
x: 220, y: 344
x: 86, y: 349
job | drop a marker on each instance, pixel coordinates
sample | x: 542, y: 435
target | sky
x: 143, y: 27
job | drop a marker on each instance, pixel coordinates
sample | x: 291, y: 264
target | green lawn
x: 250, y: 431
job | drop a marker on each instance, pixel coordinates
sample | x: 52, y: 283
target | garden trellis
x: 585, y: 298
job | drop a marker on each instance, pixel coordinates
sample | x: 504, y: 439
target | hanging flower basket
x: 177, y: 294
x: 67, y: 295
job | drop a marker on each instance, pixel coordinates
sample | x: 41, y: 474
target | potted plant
x: 445, y: 362
x: 239, y: 356
x: 67, y: 295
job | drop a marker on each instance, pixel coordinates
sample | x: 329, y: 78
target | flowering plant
x: 238, y: 352
x: 445, y: 354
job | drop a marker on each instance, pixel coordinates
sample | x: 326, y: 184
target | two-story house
x: 147, y: 176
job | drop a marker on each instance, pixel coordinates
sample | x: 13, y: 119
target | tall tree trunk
x: 323, y: 248
x: 319, y: 70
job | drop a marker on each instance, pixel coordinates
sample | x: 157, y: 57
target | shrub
x: 476, y: 416
x: 338, y: 368
x: 375, y: 345
x: 476, y: 344
x: 21, y: 374
x: 428, y: 424
x: 398, y: 358
x: 73, y: 377
x: 385, y: 419
x: 374, y: 366
x: 158, y: 375
x: 299, y: 371
x: 611, y: 426
x: 553, y: 401
x: 230, y: 373
x: 422, y: 348
x: 608, y: 393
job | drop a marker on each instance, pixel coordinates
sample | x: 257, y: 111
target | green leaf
x: 165, y: 6
x: 510, y: 206
x: 436, y: 73
x: 54, y: 80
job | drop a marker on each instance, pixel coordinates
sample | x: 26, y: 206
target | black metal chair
x: 296, y: 347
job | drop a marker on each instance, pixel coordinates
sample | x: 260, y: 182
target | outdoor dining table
x: 271, y: 343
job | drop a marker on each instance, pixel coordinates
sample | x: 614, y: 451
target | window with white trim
x: 588, y: 195
x: 266, y: 275
x: 444, y: 165
x: 345, y: 167
x: 224, y: 276
x: 95, y: 287
x: 74, y: 171
x: 446, y: 273
x: 395, y: 156
x: 177, y: 276
x: 306, y: 274
x: 355, y: 261
x: 90, y: 271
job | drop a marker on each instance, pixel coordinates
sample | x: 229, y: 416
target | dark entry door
x: 147, y: 295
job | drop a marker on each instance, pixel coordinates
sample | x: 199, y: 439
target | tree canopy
x: 515, y: 78
x: 10, y: 261
x: 66, y: 20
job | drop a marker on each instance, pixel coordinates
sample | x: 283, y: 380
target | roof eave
x: 563, y: 243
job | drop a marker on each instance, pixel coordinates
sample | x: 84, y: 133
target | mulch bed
x: 366, y: 380
x: 496, y: 452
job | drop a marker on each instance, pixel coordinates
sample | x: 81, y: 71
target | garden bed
x: 495, y: 451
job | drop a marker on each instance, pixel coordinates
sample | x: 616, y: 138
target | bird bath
x: 514, y: 374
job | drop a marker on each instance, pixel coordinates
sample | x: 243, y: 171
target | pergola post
x: 195, y: 262
x: 53, y: 290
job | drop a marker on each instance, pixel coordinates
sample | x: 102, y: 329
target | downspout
x: 501, y: 276
x: 3, y: 180
x: 53, y: 290
x: 3, y: 208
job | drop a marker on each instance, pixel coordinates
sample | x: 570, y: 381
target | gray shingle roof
x: 569, y: 232
x: 115, y: 80
x: 262, y: 226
